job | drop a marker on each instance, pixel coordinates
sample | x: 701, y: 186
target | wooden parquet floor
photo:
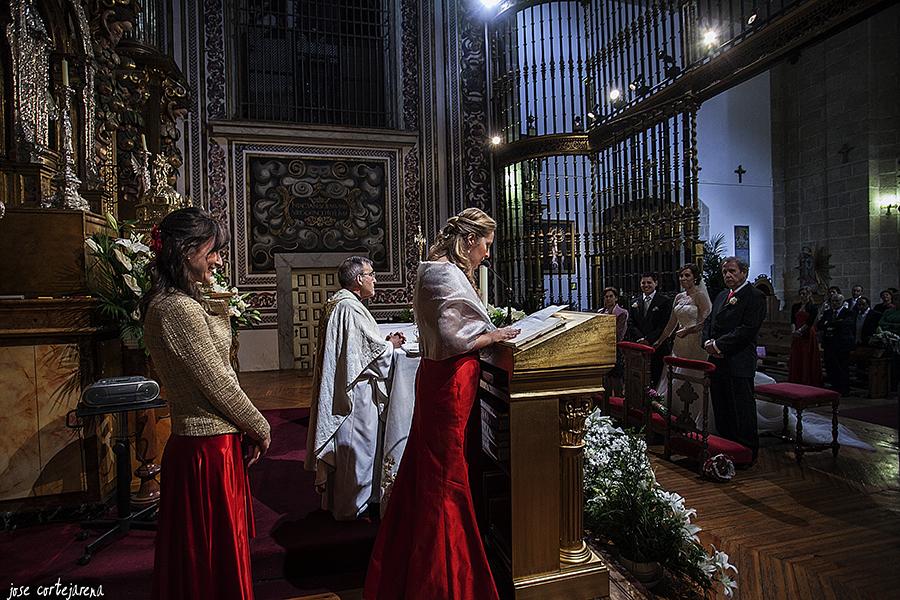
x: 830, y: 529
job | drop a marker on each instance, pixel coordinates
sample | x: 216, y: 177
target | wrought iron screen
x: 638, y: 47
x: 646, y: 207
x: 539, y: 61
x: 328, y: 62
x: 546, y: 229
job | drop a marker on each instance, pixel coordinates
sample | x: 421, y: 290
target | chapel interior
x: 608, y: 139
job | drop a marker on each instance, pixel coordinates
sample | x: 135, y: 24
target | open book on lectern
x: 535, y: 325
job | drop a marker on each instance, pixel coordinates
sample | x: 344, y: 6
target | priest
x: 350, y: 382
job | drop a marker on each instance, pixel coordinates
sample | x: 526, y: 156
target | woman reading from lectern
x: 205, y: 519
x: 428, y: 545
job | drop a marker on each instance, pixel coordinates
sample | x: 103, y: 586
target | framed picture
x: 742, y: 242
x: 558, y: 246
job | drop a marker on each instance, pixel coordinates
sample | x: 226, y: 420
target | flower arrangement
x: 626, y: 506
x: 242, y: 315
x: 117, y: 276
x: 498, y: 315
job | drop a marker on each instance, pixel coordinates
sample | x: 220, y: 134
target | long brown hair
x: 180, y: 234
x: 451, y: 241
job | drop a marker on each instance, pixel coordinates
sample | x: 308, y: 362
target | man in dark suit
x: 647, y: 318
x: 730, y: 334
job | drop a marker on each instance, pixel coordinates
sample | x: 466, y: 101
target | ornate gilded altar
x: 534, y: 401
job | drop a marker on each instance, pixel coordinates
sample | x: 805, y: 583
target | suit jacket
x: 839, y: 329
x: 869, y: 325
x: 649, y: 324
x: 734, y: 326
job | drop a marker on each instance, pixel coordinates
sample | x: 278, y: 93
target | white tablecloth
x: 397, y: 415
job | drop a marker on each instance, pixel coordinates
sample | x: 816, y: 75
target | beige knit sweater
x: 190, y: 347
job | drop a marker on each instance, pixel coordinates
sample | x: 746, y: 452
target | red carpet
x: 883, y: 414
x: 299, y: 549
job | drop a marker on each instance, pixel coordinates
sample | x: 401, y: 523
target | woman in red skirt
x: 429, y: 545
x: 804, y: 364
x: 205, y: 518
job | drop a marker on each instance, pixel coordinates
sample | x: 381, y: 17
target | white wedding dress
x: 688, y: 312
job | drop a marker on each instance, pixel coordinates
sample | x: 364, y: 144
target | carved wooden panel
x: 310, y: 289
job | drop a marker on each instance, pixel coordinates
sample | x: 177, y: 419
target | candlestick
x: 64, y: 67
x: 143, y: 142
x: 483, y: 284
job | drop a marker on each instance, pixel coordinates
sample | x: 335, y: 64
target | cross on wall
x: 740, y: 173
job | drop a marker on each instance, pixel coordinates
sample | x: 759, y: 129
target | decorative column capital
x: 572, y: 414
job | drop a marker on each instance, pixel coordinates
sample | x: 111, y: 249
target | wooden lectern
x: 534, y: 400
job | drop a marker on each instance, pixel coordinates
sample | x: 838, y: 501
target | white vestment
x: 353, y: 365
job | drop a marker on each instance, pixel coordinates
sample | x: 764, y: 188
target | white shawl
x: 449, y: 314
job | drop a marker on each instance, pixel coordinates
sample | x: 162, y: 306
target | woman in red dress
x: 804, y: 364
x: 429, y: 545
x: 205, y: 519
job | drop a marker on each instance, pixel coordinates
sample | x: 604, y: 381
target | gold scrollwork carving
x: 572, y: 414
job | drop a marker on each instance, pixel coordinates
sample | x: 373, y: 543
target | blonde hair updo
x: 451, y: 241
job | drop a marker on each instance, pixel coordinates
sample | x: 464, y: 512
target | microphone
x: 508, y: 290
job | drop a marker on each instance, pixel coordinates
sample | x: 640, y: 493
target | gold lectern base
x: 572, y: 582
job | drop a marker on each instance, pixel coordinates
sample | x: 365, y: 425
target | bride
x: 689, y: 311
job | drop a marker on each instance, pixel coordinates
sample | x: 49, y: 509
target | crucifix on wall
x: 845, y: 153
x: 740, y: 173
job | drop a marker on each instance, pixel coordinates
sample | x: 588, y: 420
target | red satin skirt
x: 205, y: 521
x: 428, y: 545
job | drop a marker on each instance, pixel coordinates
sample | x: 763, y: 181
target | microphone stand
x: 507, y: 290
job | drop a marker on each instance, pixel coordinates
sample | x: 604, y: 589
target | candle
x: 143, y: 142
x: 483, y: 284
x: 64, y: 68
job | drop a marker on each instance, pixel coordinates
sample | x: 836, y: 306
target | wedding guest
x: 866, y: 321
x: 647, y: 318
x: 429, y: 545
x: 804, y: 363
x: 611, y: 307
x: 887, y: 302
x: 890, y: 320
x: 856, y: 293
x: 837, y: 343
x: 205, y: 518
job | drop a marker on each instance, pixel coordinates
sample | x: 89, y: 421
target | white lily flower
x: 93, y: 246
x: 132, y: 283
x: 122, y: 259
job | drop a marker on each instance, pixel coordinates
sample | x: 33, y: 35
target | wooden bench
x: 800, y: 397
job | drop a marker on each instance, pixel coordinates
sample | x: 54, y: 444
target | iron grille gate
x: 323, y: 62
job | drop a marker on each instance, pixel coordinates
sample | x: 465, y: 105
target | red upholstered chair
x: 630, y: 410
x: 682, y: 434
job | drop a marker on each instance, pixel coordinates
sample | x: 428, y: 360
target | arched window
x: 321, y: 62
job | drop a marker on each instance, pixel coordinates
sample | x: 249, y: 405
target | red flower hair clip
x: 156, y: 239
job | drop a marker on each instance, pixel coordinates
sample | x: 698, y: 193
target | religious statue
x: 807, y: 275
x: 814, y: 267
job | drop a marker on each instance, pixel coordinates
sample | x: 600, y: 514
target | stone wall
x: 835, y: 149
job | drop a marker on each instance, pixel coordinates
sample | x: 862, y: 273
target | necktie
x: 647, y: 300
x: 730, y: 295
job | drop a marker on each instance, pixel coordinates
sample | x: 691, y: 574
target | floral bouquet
x: 117, y: 275
x: 498, y: 315
x: 627, y: 507
x: 242, y: 315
